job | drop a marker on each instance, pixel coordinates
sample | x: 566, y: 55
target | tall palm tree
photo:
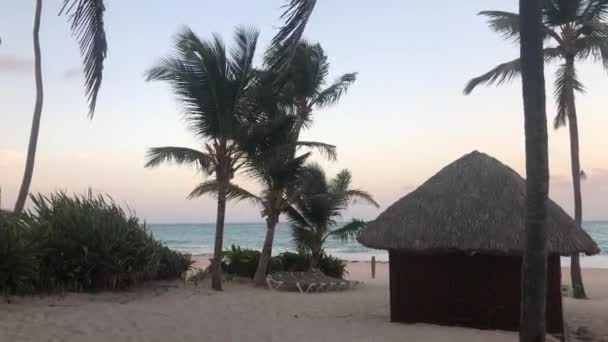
x: 532, y: 327
x: 271, y: 147
x: 290, y: 95
x: 319, y: 204
x: 86, y: 21
x: 579, y: 32
x: 213, y: 88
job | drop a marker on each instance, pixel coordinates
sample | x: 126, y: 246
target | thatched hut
x: 455, y: 246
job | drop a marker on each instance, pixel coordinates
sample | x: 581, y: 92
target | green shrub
x: 90, y: 243
x: 332, y: 266
x: 173, y: 265
x: 294, y: 262
x: 18, y: 263
x: 243, y: 262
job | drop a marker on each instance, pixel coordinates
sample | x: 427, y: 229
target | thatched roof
x: 474, y: 205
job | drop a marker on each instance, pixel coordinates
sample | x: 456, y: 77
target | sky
x: 401, y: 122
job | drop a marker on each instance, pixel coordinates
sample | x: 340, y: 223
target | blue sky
x: 402, y: 121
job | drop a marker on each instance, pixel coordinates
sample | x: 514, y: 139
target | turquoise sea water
x: 197, y: 239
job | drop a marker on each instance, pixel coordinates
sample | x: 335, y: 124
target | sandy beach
x: 175, y: 311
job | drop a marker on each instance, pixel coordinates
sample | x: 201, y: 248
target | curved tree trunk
x: 578, y: 289
x: 216, y: 267
x: 33, y: 144
x: 534, y: 266
x: 260, y: 273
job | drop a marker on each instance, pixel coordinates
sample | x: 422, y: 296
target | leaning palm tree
x: 273, y: 159
x: 212, y: 87
x: 288, y: 96
x: 86, y: 22
x: 579, y: 31
x: 319, y: 204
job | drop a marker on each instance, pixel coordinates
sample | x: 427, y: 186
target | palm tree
x: 212, y: 88
x: 289, y: 96
x: 579, y: 32
x: 86, y: 22
x: 318, y: 206
x: 532, y: 327
x: 271, y: 153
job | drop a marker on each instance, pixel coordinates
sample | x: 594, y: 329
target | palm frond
x: 566, y: 83
x: 87, y: 25
x: 295, y: 217
x: 596, y: 10
x: 303, y: 237
x: 349, y: 231
x: 180, y: 156
x: 243, y: 52
x: 506, y: 72
x: 355, y: 195
x: 505, y: 23
x: 210, y: 85
x: 327, y: 150
x: 332, y: 94
x: 594, y: 46
x: 561, y: 12
x: 296, y: 16
x: 233, y: 192
x: 503, y: 73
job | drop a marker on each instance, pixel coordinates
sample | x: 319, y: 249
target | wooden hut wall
x: 478, y: 291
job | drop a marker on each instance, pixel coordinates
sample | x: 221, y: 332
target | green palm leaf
x: 180, y: 156
x: 349, y: 231
x: 87, y: 25
x: 296, y: 16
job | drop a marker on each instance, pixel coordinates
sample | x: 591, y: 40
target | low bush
x: 81, y: 243
x: 243, y: 263
x: 332, y: 266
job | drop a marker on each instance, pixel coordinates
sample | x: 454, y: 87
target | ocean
x: 197, y: 239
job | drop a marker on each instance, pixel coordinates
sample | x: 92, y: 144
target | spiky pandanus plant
x: 318, y: 205
x: 87, y: 25
x: 574, y: 30
x: 212, y: 86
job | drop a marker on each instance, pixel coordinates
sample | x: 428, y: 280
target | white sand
x: 178, y: 312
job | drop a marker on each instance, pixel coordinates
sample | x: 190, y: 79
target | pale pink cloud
x: 10, y: 63
x: 10, y: 156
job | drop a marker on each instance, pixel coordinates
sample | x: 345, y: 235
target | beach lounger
x: 306, y: 282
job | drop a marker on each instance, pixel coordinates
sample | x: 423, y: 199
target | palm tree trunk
x: 260, y: 273
x: 534, y: 266
x: 33, y: 144
x: 216, y: 267
x: 315, y: 259
x: 578, y: 289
